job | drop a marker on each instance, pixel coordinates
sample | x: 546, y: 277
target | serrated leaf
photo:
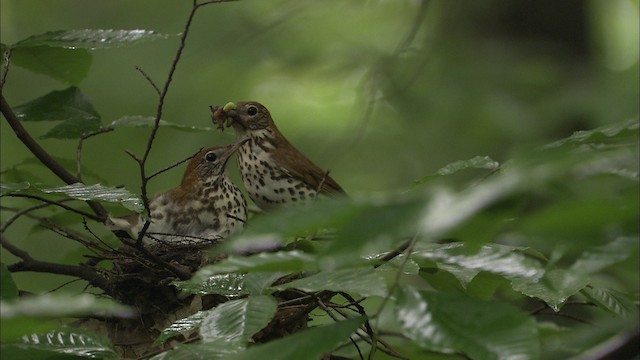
x: 230, y: 285
x: 72, y: 342
x: 611, y: 300
x: 285, y: 261
x: 307, y: 344
x: 209, y: 351
x: 238, y: 320
x: 53, y: 306
x: 148, y: 121
x: 17, y: 351
x: 90, y: 38
x: 181, y: 326
x: 453, y: 323
x: 477, y: 162
x: 625, y: 129
x: 465, y: 263
x: 69, y: 66
x: 365, y: 282
x: 9, y: 188
x: 31, y: 314
x: 100, y: 192
x: 554, y: 288
x: 70, y: 106
x: 8, y: 288
x: 598, y: 258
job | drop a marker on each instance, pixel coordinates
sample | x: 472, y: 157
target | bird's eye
x: 252, y: 110
x: 210, y: 156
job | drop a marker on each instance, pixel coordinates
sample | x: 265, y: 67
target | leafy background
x: 489, y: 81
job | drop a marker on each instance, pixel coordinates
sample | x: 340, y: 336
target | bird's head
x: 210, y: 162
x: 245, y: 116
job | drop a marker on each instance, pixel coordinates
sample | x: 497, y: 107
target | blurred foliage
x: 541, y: 98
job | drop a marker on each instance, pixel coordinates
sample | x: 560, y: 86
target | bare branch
x: 30, y: 264
x: 79, y: 150
x: 5, y: 68
x: 172, y: 166
x: 56, y: 203
x: 148, y: 78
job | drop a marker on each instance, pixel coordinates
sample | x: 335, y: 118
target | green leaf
x: 285, y: 261
x: 54, y: 306
x: 18, y: 351
x: 452, y: 323
x: 148, y: 121
x: 238, y: 320
x: 307, y: 344
x: 209, y: 351
x: 624, y: 130
x: 69, y: 66
x: 230, y: 285
x: 554, y: 288
x: 9, y: 188
x: 181, y: 326
x: 90, y: 38
x: 70, y: 106
x: 100, y: 192
x: 464, y: 262
x: 8, y: 288
x: 477, y: 162
x: 612, y: 301
x: 598, y: 258
x: 29, y: 314
x: 72, y: 342
x: 365, y: 282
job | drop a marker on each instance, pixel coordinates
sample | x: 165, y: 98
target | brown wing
x: 293, y: 161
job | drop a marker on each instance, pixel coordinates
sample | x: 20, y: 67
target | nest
x: 142, y: 278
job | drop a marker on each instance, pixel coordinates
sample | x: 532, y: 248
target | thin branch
x: 30, y: 264
x: 153, y: 84
x: 327, y: 310
x: 172, y: 166
x: 56, y: 203
x: 44, y: 156
x: 163, y: 94
x: 79, y: 149
x: 5, y: 68
x: 25, y: 211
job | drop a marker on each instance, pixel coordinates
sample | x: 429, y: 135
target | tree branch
x: 43, y: 155
x: 28, y: 263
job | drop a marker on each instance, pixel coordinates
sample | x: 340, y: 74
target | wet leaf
x: 453, y: 323
x: 8, y: 289
x: 598, y: 258
x: 90, y: 38
x: 209, y: 351
x: 477, y: 162
x: 238, y: 320
x: 554, y: 288
x: 101, y: 193
x: 148, y: 121
x: 464, y: 262
x: 365, y: 282
x: 72, y: 342
x: 70, y: 106
x: 611, y: 300
x: 9, y: 188
x: 69, y: 66
x: 307, y: 344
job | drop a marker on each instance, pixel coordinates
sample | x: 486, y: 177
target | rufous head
x: 244, y: 116
x: 210, y: 162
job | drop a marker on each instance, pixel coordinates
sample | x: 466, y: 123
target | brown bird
x: 273, y: 171
x: 205, y: 207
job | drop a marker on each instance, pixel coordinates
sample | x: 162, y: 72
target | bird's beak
x: 230, y: 149
x: 225, y: 116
